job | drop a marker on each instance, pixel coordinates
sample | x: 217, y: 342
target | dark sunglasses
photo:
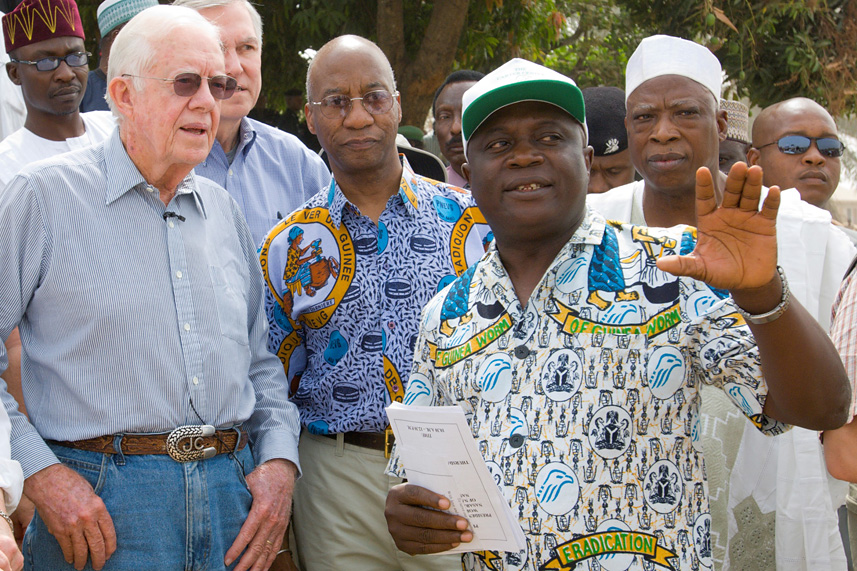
x: 798, y: 145
x: 77, y: 59
x: 187, y: 84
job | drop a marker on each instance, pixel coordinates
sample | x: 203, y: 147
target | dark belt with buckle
x: 382, y: 441
x: 184, y: 444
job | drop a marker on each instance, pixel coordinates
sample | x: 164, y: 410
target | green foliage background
x: 770, y: 49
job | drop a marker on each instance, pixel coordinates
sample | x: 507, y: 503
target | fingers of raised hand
x: 705, y: 198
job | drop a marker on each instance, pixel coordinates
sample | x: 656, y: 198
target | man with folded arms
x: 600, y: 461
x: 139, y: 300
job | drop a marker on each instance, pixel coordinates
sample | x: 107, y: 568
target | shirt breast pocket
x: 231, y: 306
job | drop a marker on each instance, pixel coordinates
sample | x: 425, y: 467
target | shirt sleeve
x: 274, y: 426
x: 25, y: 258
x: 11, y: 475
x: 727, y: 357
x: 844, y: 333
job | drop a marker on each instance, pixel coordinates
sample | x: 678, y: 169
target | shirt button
x: 170, y: 224
x: 187, y: 326
x: 195, y: 381
x: 179, y: 274
x: 150, y: 188
x: 230, y: 172
x: 521, y: 352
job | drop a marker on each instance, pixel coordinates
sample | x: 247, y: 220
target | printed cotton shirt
x: 584, y: 404
x: 844, y: 333
x: 344, y: 294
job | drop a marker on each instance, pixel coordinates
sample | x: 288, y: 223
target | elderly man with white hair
x: 160, y: 433
x: 771, y: 505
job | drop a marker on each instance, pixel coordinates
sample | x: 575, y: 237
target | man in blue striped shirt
x: 268, y: 172
x: 139, y: 300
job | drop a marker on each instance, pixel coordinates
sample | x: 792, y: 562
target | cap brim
x: 564, y: 95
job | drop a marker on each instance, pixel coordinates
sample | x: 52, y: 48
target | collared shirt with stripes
x: 132, y: 320
x: 272, y: 174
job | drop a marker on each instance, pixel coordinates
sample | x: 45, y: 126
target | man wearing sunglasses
x: 268, y: 172
x: 797, y: 144
x: 160, y: 433
x: 51, y: 66
x: 675, y: 126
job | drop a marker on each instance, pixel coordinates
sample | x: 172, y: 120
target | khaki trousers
x: 339, y: 512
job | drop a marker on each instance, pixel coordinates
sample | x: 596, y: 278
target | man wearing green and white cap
x: 585, y: 405
x: 112, y: 15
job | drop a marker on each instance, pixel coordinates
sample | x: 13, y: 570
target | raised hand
x: 736, y: 245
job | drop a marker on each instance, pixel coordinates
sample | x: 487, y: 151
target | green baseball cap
x: 513, y: 82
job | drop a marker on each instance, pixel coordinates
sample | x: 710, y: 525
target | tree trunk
x: 418, y: 77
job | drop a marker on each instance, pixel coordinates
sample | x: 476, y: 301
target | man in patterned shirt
x: 348, y: 274
x: 606, y: 473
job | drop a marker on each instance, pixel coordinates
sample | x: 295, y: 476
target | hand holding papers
x: 437, y: 450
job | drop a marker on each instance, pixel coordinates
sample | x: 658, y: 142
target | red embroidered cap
x: 38, y: 20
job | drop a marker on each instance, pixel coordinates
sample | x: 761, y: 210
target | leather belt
x: 184, y: 444
x: 382, y: 441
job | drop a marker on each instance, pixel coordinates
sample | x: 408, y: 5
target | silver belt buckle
x: 185, y: 444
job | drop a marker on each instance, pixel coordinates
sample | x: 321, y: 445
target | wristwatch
x: 769, y: 316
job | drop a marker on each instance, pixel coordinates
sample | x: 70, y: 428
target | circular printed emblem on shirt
x: 610, y: 431
x: 516, y: 431
x: 702, y: 539
x: 320, y: 264
x: 614, y: 561
x: 495, y: 377
x: 562, y: 375
x: 467, y: 231
x: 744, y: 398
x: 666, y: 371
x: 663, y: 487
x: 419, y: 390
x: 700, y: 303
x: 557, y: 488
x: 566, y: 273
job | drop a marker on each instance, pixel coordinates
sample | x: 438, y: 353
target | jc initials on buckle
x: 185, y: 443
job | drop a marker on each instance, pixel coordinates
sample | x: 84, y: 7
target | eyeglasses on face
x: 187, y: 84
x: 798, y: 145
x: 76, y: 59
x: 375, y: 102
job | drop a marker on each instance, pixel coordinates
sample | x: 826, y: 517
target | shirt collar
x: 494, y: 275
x: 408, y: 193
x: 123, y: 175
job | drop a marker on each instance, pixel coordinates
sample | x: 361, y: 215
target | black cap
x: 605, y: 117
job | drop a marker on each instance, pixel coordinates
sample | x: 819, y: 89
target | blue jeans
x: 168, y: 516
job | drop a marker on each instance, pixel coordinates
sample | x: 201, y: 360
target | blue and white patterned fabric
x: 272, y: 174
x: 132, y: 322
x: 344, y: 294
x: 585, y: 403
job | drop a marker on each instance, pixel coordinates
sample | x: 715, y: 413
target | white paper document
x: 438, y: 452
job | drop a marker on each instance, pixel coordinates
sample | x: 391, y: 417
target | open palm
x: 737, y: 243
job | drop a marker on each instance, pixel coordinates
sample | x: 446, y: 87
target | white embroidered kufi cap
x: 667, y: 55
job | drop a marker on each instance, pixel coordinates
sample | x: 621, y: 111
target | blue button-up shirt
x: 345, y: 294
x: 131, y: 321
x: 272, y: 174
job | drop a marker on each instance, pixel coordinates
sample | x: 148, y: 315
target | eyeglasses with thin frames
x: 187, y: 84
x: 799, y: 144
x: 76, y: 59
x: 375, y: 102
